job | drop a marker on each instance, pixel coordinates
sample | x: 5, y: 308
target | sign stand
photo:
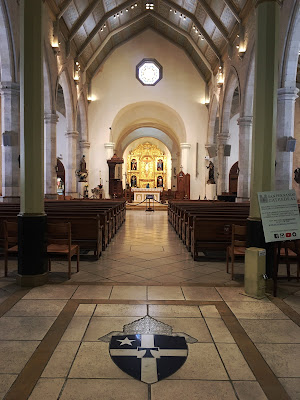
x: 149, y: 197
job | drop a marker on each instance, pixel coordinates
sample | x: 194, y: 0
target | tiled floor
x: 54, y: 340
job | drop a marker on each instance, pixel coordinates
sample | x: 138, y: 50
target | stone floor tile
x: 58, y: 292
x: 165, y: 293
x: 6, y: 380
x: 93, y: 361
x: 24, y: 328
x: 47, y: 389
x: 284, y: 359
x: 203, y: 362
x: 209, y: 312
x: 293, y: 302
x: 266, y: 331
x: 201, y: 293
x: 149, y: 273
x: 119, y: 310
x: 247, y: 390
x: 131, y: 268
x: 85, y: 310
x: 167, y: 279
x: 127, y: 278
x: 15, y: 354
x: 192, y: 390
x: 101, y: 326
x: 256, y: 310
x: 292, y: 387
x: 194, y: 327
x: 61, y: 360
x: 76, y: 329
x: 37, y: 308
x: 92, y: 292
x: 234, y: 362
x: 129, y: 293
x: 104, y: 389
x: 236, y: 294
x: 219, y: 331
x: 174, y: 311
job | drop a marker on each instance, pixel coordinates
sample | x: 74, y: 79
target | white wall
x: 234, y: 142
x: 116, y: 86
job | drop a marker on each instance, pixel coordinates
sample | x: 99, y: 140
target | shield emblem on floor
x: 148, y: 358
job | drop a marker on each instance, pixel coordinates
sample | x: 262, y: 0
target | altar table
x: 141, y: 193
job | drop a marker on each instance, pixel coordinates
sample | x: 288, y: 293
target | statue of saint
x: 211, y: 173
x: 160, y: 165
x: 82, y: 167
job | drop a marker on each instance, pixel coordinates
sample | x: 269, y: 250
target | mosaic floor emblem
x: 147, y: 349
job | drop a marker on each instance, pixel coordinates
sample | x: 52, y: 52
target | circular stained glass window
x: 149, y: 72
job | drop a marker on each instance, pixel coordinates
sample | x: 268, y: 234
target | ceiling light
x: 115, y: 16
x: 175, y: 12
x: 121, y: 12
x: 101, y: 29
x: 126, y: 10
x: 135, y: 5
x: 171, y: 10
x: 180, y: 16
x: 104, y: 26
x: 194, y: 27
x: 184, y: 17
x: 196, y: 31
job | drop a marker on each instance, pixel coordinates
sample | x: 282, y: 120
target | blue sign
x: 150, y: 196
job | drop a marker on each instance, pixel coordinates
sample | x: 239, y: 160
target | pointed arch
x: 230, y: 85
x: 65, y: 82
x: 8, y: 68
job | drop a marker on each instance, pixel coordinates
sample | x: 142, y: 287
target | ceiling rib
x: 64, y: 8
x: 214, y: 18
x: 99, y: 25
x: 233, y: 9
x: 82, y: 19
x: 197, y: 25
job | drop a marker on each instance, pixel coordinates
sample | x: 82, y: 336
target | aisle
x: 147, y: 250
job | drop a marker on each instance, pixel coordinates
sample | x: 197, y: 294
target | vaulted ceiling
x: 203, y: 28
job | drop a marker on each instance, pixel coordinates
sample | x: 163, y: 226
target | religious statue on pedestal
x: 82, y: 173
x: 211, y: 173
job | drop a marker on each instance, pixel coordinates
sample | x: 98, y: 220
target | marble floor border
x: 29, y: 376
x: 7, y: 304
x: 286, y: 309
x: 149, y: 283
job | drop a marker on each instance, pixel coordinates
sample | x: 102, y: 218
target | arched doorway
x: 233, y: 178
x: 61, y: 178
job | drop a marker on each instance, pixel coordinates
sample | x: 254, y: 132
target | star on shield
x: 148, y: 358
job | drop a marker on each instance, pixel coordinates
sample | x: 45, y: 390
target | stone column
x: 50, y: 121
x: 109, y: 151
x: 185, y: 154
x: 285, y: 129
x: 10, y: 125
x: 71, y: 163
x: 245, y: 132
x: 222, y: 174
x: 32, y: 255
x: 264, y: 125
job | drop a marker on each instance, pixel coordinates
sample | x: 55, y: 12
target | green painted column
x: 32, y: 262
x: 264, y: 139
x: 265, y: 101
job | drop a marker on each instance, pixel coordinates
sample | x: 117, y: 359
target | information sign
x: 280, y: 215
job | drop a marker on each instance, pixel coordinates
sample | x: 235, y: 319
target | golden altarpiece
x: 147, y: 167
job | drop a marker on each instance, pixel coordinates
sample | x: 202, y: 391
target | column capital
x: 185, y: 145
x: 110, y: 145
x: 223, y: 137
x: 10, y: 88
x: 84, y: 144
x: 51, y: 118
x: 245, y: 120
x: 71, y: 134
x: 287, y: 93
x: 258, y: 2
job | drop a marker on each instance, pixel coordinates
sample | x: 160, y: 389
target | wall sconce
x: 76, y: 72
x: 220, y: 77
x: 55, y: 42
x: 241, y: 43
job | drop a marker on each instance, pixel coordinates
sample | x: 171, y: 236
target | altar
x: 141, y: 193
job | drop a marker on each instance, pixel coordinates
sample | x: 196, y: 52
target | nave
x: 54, y: 341
x: 147, y: 250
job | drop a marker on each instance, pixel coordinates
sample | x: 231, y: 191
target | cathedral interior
x: 137, y: 139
